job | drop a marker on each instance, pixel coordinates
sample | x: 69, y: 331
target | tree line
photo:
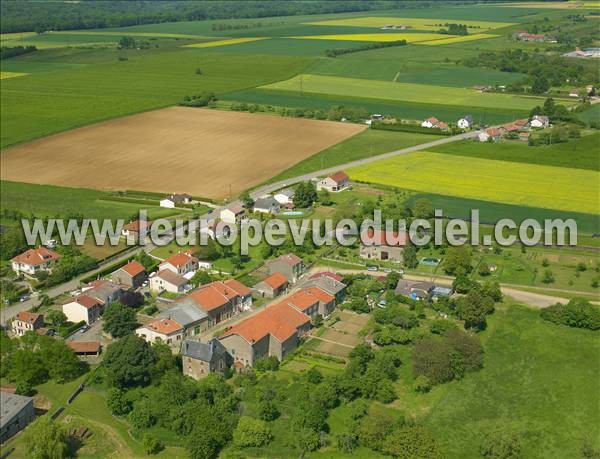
x: 26, y: 15
x: 356, y: 49
x: 7, y: 51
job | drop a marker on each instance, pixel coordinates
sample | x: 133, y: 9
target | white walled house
x: 35, y: 260
x: 233, y: 213
x: 167, y: 281
x: 284, y: 197
x: 163, y: 330
x: 83, y: 308
x: 26, y: 321
x: 539, y: 121
x: 181, y: 263
x: 334, y: 183
x: 430, y: 122
x: 171, y: 201
x: 466, y: 122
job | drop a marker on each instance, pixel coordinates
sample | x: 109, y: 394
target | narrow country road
x: 269, y: 188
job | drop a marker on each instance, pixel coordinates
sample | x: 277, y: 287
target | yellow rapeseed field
x: 446, y: 41
x: 489, y: 180
x: 409, y: 37
x: 4, y: 75
x: 226, y: 42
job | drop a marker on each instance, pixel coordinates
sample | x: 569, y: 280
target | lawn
x: 521, y: 388
x: 226, y: 42
x: 451, y: 40
x: 547, y: 187
x: 408, y: 92
x: 366, y: 144
x: 78, y: 96
x: 576, y: 153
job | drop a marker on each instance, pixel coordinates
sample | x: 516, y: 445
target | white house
x: 493, y: 133
x: 83, y: 308
x: 430, y: 122
x: 164, y: 330
x: 166, y: 280
x: 466, y: 122
x: 34, y: 260
x: 266, y: 205
x: 539, y: 121
x: 232, y: 213
x: 136, y: 230
x: 173, y: 200
x: 181, y: 263
x: 27, y: 321
x: 284, y: 197
x: 335, y: 182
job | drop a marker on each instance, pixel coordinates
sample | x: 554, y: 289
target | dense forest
x: 20, y: 16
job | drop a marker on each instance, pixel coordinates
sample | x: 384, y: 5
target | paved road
x: 9, y: 312
x: 266, y: 189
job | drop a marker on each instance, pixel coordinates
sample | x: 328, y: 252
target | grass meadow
x: 402, y: 92
x: 489, y: 180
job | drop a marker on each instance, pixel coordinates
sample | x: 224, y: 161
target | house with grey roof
x: 266, y: 205
x: 290, y: 265
x: 328, y: 285
x: 16, y: 411
x: 201, y: 359
x: 188, y: 315
x: 285, y: 196
x: 417, y: 290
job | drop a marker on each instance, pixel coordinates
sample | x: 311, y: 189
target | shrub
x: 267, y: 364
x: 578, y: 313
x: 422, y: 384
x: 251, y: 432
x: 152, y: 445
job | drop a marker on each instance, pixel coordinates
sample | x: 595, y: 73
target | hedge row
x: 64, y: 332
x: 409, y: 128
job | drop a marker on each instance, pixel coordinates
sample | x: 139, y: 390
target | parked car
x: 84, y: 328
x: 387, y: 270
x: 24, y: 298
x: 372, y: 268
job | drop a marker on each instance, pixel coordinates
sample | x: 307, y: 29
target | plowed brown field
x: 202, y: 152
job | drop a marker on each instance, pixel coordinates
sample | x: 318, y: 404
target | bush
x: 267, y: 364
x: 422, y: 384
x: 152, y: 445
x: 346, y: 442
x: 251, y: 432
x: 578, y: 313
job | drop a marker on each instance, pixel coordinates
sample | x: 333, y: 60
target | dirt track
x: 202, y: 152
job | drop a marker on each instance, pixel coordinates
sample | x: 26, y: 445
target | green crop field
x: 79, y: 96
x: 576, y: 153
x: 53, y: 201
x: 414, y: 23
x: 404, y: 110
x: 489, y: 180
x: 491, y: 212
x: 408, y: 92
x: 403, y: 72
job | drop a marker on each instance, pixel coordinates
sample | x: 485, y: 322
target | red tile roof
x: 385, y: 238
x: 334, y: 276
x: 433, y: 120
x: 212, y: 296
x: 339, y: 177
x: 276, y: 280
x: 511, y: 127
x: 291, y: 259
x: 493, y: 132
x: 84, y: 347
x: 29, y: 317
x: 164, y: 326
x: 521, y: 122
x: 133, y: 268
x: 238, y: 287
x: 303, y: 300
x: 135, y: 225
x: 35, y: 257
x: 321, y: 295
x: 280, y: 320
x: 181, y: 259
x: 87, y: 301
